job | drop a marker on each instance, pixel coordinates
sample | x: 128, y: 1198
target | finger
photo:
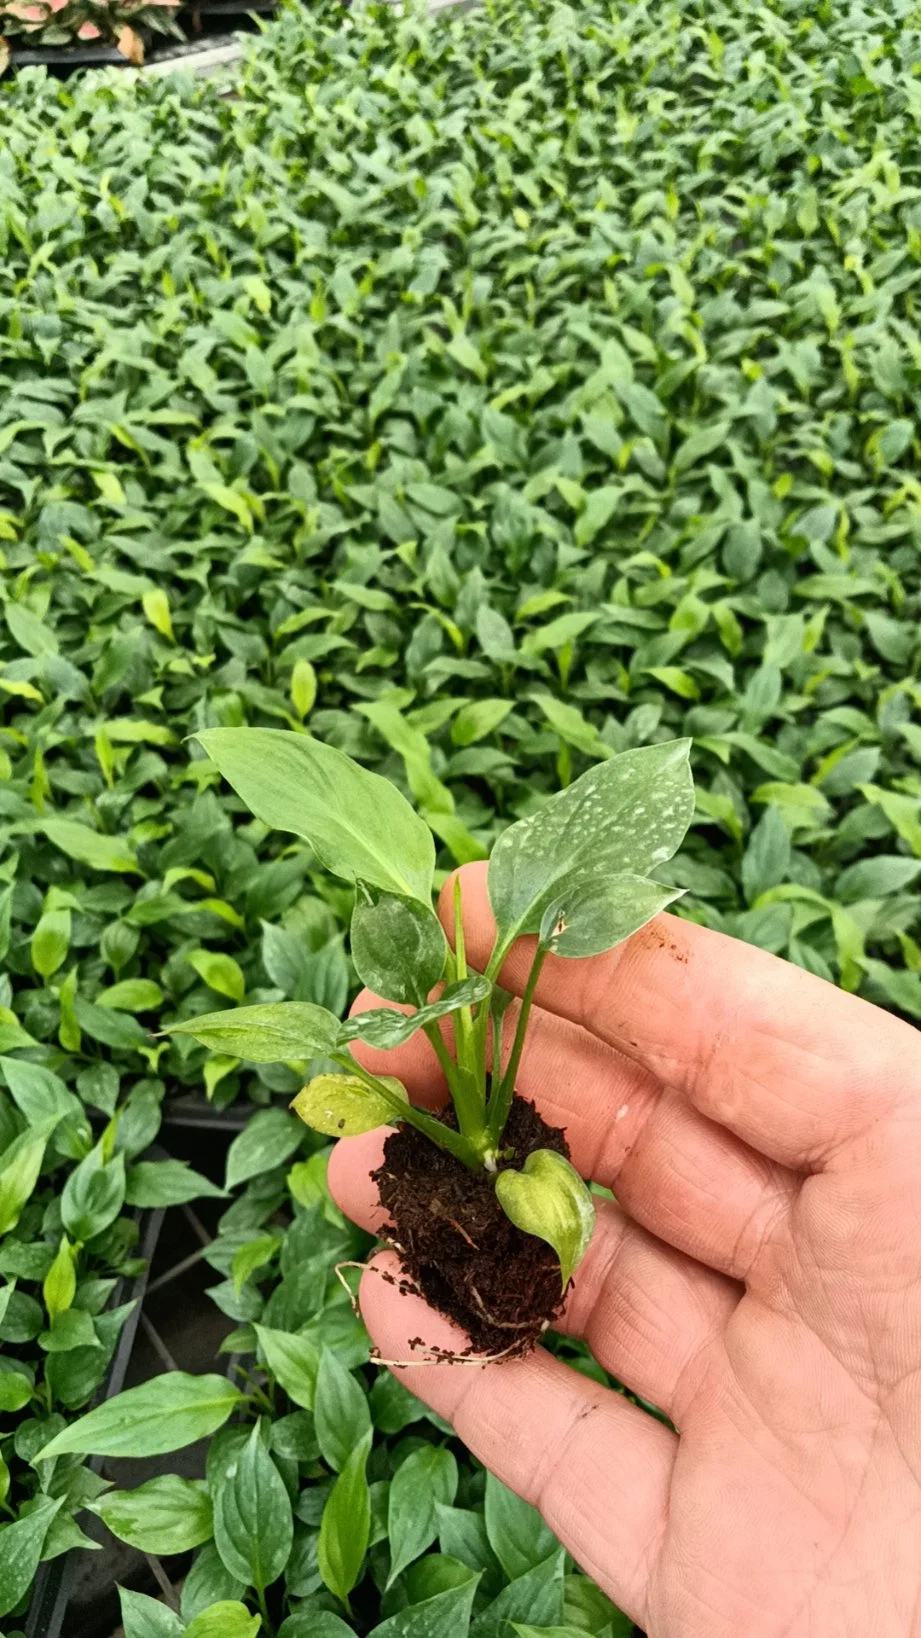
x: 686, y: 1179
x: 596, y: 1466
x: 795, y: 1067
x: 651, y: 1316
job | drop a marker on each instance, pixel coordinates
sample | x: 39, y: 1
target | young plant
x: 574, y: 875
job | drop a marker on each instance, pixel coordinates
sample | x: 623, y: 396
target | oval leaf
x: 165, y: 1515
x: 271, y: 1033
x: 383, y: 1027
x: 343, y: 1106
x: 585, y: 918
x: 398, y: 947
x: 358, y: 824
x: 628, y: 814
x: 167, y: 1413
x: 550, y: 1200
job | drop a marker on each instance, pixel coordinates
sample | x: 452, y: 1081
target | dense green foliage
x: 486, y: 395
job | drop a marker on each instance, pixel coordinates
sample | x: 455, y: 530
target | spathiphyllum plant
x: 489, y: 1216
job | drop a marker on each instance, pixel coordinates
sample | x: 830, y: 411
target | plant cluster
x: 488, y: 396
x: 333, y: 1500
x: 66, y: 22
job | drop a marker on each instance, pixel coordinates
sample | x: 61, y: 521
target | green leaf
x: 766, y: 860
x: 165, y: 1515
x: 548, y: 1198
x: 268, y: 1033
x: 29, y: 632
x: 903, y: 813
x: 60, y: 1284
x: 344, y: 1106
x: 15, y: 1390
x: 341, y: 1412
x: 383, y: 1027
x: 20, y: 1166
x: 21, y: 1547
x: 445, y: 1615
x: 428, y: 1477
x: 131, y: 995
x: 89, y: 847
x: 357, y: 823
x: 164, y: 1414
x: 37, y: 1093
x: 623, y: 816
x: 167, y: 1183
x: 144, y: 1617
x: 270, y: 1138
x: 253, y: 1523
x: 250, y: 1257
x: 517, y: 1534
x: 219, y: 972
x: 584, y: 920
x: 398, y: 947
x: 537, y: 1595
x: 477, y: 719
x: 229, y: 1619
x: 93, y: 1194
x: 207, y: 1584
x: 876, y: 878
x: 346, y: 1525
x: 293, y: 1361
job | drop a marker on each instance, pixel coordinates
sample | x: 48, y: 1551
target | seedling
x: 573, y: 875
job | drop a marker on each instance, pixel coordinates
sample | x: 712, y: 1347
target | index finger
x: 795, y: 1067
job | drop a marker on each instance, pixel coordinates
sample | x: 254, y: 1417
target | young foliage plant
x: 575, y: 876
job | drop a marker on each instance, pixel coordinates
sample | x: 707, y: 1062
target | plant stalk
x: 501, y: 1101
x: 471, y: 1109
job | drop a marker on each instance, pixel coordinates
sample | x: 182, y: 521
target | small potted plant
x: 489, y: 1216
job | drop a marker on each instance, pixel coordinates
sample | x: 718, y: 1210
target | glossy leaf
x: 549, y: 1199
x: 293, y: 1360
x: 384, y: 1027
x: 358, y: 824
x: 343, y: 1106
x: 144, y: 1617
x: 341, y: 1413
x: 398, y: 947
x: 229, y: 1619
x: 346, y: 1525
x: 253, y: 1525
x: 585, y: 919
x: 624, y: 816
x: 21, y: 1545
x: 166, y: 1515
x: 268, y: 1033
x: 167, y: 1413
x: 427, y: 1478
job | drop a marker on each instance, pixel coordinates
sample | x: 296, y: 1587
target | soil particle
x: 457, y: 1245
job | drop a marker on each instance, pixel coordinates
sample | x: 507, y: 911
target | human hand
x: 759, y: 1279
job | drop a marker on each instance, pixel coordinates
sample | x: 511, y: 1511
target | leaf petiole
x: 454, y: 1142
x: 501, y: 1101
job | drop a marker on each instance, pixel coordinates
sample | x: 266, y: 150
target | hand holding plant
x: 759, y: 1280
x: 573, y: 874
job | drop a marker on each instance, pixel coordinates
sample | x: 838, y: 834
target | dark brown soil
x: 457, y: 1246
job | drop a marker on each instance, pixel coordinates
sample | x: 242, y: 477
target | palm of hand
x: 758, y: 1280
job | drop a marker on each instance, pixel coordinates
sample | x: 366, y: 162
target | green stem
x: 501, y: 1101
x: 463, y: 1019
x: 470, y: 1107
x: 264, y: 1611
x: 454, y: 1142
